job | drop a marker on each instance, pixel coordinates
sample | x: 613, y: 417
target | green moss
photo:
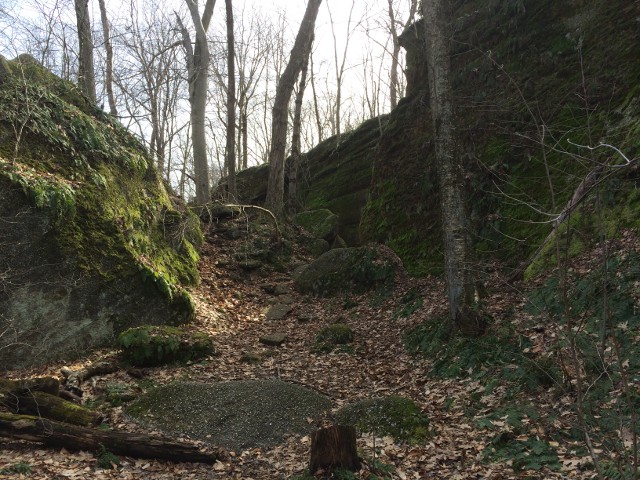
x: 111, y: 213
x: 333, y: 337
x: 503, y: 150
x: 398, y: 417
x: 150, y: 346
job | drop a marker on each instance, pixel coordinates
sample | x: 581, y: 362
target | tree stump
x: 334, y: 447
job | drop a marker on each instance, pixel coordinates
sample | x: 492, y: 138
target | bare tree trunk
x: 339, y: 68
x: 86, y: 75
x: 109, y: 60
x: 394, y: 83
x: 279, y: 117
x: 295, y: 140
x: 198, y: 72
x: 231, y: 104
x: 316, y: 108
x: 460, y: 284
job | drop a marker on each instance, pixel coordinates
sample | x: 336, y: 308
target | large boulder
x: 321, y: 223
x: 91, y: 241
x: 355, y: 269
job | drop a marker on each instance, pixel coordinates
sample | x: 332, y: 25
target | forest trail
x: 232, y: 305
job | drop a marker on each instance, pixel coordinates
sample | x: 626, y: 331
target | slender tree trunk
x: 86, y: 75
x: 295, y: 140
x: 316, y: 108
x: 231, y: 104
x: 299, y: 53
x: 109, y: 60
x: 393, y: 81
x: 460, y: 284
x: 198, y: 72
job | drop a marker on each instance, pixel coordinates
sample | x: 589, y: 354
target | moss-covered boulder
x: 349, y: 269
x: 236, y: 415
x: 91, y: 241
x: 149, y: 346
x: 321, y: 223
x: 398, y: 417
x: 333, y: 337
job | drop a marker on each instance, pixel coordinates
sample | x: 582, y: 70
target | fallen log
x: 56, y: 408
x: 57, y: 434
x: 37, y: 384
x: 40, y: 396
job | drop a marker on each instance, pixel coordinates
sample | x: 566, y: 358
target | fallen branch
x: 57, y: 434
x: 587, y: 184
x: 74, y: 378
x: 260, y: 209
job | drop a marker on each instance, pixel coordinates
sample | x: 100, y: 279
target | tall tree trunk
x: 109, y: 60
x: 231, y: 104
x: 316, y: 108
x: 460, y: 283
x: 295, y: 140
x: 393, y: 81
x: 299, y: 53
x: 86, y: 75
x: 198, y: 58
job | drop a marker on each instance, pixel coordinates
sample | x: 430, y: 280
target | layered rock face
x: 535, y: 84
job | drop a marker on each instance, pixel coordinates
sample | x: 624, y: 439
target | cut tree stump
x: 334, y: 447
x: 57, y: 434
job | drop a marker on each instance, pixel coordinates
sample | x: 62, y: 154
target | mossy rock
x: 236, y: 415
x: 332, y: 337
x: 148, y: 346
x: 97, y: 245
x: 320, y: 223
x: 398, y: 417
x: 349, y: 269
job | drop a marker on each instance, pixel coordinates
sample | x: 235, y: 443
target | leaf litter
x: 231, y: 307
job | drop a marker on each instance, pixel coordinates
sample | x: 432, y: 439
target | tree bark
x: 57, y: 434
x: 86, y: 75
x: 295, y: 140
x: 460, y: 285
x: 113, y: 110
x: 393, y: 80
x: 300, y: 51
x: 198, y: 58
x: 231, y: 104
x: 334, y: 447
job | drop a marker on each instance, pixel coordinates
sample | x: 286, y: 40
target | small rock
x: 304, y: 317
x: 250, y: 357
x: 278, y: 311
x: 269, y: 288
x: 281, y: 289
x: 288, y: 299
x: 250, y: 264
x: 274, y: 339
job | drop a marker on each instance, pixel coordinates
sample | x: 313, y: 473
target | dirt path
x: 231, y: 307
